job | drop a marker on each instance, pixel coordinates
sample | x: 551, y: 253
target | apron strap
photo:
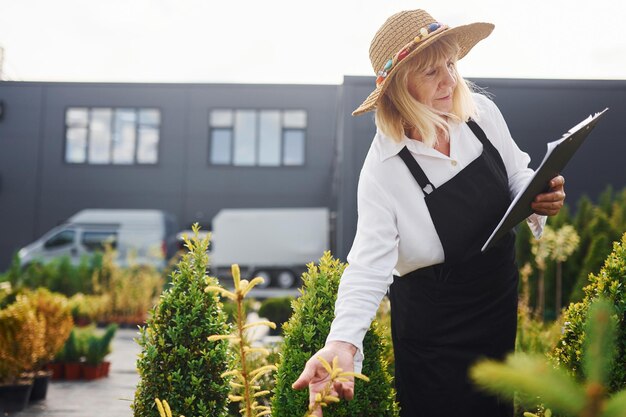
x: 478, y: 132
x: 416, y: 171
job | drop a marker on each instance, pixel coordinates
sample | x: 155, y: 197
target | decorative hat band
x: 424, y: 33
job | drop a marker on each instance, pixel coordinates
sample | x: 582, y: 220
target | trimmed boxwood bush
x: 177, y: 362
x: 277, y: 310
x: 305, y: 333
x: 610, y: 284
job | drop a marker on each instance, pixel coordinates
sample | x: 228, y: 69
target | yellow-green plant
x: 566, y: 240
x: 383, y: 318
x: 87, y: 308
x: 5, y: 291
x: 336, y: 374
x: 245, y: 387
x: 541, y: 412
x: 533, y: 335
x: 541, y: 250
x: 21, y: 339
x: 128, y: 292
x: 54, y: 311
x: 536, y: 376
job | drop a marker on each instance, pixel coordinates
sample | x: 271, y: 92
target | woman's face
x: 434, y: 85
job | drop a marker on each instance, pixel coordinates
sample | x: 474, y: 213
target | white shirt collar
x: 388, y: 147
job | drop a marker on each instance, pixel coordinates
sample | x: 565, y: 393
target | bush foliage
x: 609, y: 283
x: 177, y: 362
x: 58, y: 275
x: 276, y: 310
x: 598, y: 225
x: 22, y: 339
x: 305, y: 333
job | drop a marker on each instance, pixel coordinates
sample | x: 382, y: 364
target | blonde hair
x: 397, y: 110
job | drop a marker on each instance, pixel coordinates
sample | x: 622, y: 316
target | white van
x: 144, y: 237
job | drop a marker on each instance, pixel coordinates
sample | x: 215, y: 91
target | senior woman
x: 438, y: 177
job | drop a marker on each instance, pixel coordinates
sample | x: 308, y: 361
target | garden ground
x: 105, y: 397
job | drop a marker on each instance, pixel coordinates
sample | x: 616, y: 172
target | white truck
x: 275, y: 244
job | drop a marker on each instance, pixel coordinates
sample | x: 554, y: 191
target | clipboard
x: 558, y: 155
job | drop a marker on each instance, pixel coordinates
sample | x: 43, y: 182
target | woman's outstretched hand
x: 316, y: 377
x: 551, y: 202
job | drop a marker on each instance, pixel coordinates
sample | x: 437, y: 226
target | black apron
x: 444, y: 317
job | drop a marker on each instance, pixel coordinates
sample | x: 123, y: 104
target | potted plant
x: 57, y: 365
x: 72, y: 356
x: 97, y: 348
x: 53, y: 310
x: 105, y: 348
x: 21, y: 346
x: 91, y: 366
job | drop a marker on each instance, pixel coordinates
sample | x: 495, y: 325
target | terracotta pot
x: 72, y: 370
x: 91, y: 372
x: 14, y: 398
x: 106, y: 366
x: 40, y: 386
x: 57, y: 370
x: 82, y: 321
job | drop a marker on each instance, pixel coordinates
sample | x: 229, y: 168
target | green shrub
x: 277, y: 310
x: 305, y: 333
x: 72, y: 350
x: 177, y: 362
x: 99, y: 346
x: 610, y: 284
x: 58, y: 275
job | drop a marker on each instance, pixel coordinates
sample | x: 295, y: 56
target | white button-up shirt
x: 395, y: 233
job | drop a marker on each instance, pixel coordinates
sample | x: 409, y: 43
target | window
x: 63, y: 238
x: 257, y: 137
x: 97, y: 240
x: 112, y: 136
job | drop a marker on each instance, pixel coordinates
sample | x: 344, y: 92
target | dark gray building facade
x: 193, y: 149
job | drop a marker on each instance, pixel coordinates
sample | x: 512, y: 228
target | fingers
x: 315, y: 375
x: 306, y: 376
x: 557, y: 182
x: 551, y: 202
x: 344, y: 389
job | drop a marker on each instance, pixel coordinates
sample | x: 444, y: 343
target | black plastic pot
x: 14, y: 398
x: 40, y: 386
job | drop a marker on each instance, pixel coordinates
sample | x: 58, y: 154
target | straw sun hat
x: 402, y: 36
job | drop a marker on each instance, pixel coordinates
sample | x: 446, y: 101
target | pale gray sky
x: 293, y: 41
